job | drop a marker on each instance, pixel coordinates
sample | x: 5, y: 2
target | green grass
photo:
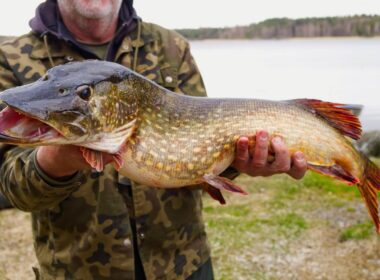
x: 330, y: 186
x: 357, y: 232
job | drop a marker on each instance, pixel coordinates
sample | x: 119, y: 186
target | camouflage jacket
x: 82, y: 227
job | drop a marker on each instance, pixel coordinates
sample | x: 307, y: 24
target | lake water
x: 340, y: 70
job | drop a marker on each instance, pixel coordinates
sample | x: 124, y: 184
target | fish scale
x: 168, y: 140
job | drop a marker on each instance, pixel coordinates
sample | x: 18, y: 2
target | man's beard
x: 92, y: 9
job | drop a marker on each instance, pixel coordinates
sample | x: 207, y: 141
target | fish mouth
x: 16, y: 127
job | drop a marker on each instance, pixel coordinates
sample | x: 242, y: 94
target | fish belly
x: 144, y: 169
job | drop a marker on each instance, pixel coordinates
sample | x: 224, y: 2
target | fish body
x: 163, y: 139
x: 184, y: 138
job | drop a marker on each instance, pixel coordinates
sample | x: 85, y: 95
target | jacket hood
x: 47, y: 20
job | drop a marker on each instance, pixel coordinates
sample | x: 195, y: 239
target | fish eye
x: 84, y: 92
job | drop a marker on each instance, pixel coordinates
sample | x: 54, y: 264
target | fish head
x: 79, y: 102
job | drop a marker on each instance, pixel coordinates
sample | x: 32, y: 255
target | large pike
x: 163, y: 139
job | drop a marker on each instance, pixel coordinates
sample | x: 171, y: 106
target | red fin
x: 335, y: 114
x: 368, y: 188
x: 214, y: 193
x: 335, y: 171
x: 222, y: 183
x: 118, y: 160
x: 93, y: 158
x: 372, y: 174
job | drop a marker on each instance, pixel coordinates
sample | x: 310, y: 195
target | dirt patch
x: 16, y: 246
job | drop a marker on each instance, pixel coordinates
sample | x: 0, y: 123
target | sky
x: 204, y: 13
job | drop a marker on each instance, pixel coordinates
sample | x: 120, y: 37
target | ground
x: 311, y: 229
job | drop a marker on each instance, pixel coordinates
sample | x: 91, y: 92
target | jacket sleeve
x: 190, y: 82
x: 21, y: 181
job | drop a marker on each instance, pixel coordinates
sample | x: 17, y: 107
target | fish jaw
x: 19, y: 129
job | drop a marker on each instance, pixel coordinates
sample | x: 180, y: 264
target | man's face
x: 92, y: 9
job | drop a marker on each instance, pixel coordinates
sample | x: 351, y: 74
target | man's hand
x: 252, y: 159
x: 63, y: 161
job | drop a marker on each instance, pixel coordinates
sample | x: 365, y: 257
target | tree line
x: 278, y: 28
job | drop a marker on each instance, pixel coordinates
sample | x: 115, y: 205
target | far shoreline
x: 287, y: 38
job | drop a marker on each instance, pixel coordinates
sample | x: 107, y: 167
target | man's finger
x: 251, y: 145
x: 241, y: 156
x: 260, y: 156
x: 299, y: 166
x: 282, y: 157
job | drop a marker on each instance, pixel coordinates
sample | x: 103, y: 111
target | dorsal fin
x: 335, y: 114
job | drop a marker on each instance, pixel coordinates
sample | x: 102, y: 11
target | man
x: 90, y: 225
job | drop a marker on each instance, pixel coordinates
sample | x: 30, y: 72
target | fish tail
x: 368, y: 187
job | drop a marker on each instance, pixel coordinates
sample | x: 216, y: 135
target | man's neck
x: 90, y: 31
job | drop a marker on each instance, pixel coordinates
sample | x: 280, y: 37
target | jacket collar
x: 60, y: 49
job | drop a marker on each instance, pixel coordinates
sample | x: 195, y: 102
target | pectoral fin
x: 222, y: 183
x: 118, y: 160
x: 93, y: 158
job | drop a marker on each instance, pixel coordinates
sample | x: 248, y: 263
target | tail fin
x: 369, y: 187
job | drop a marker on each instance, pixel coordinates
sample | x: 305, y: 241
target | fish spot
x: 227, y: 146
x: 171, y: 157
x: 197, y: 150
x: 215, y: 155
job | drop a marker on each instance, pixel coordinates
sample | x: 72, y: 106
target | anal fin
x: 368, y: 186
x: 335, y: 171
